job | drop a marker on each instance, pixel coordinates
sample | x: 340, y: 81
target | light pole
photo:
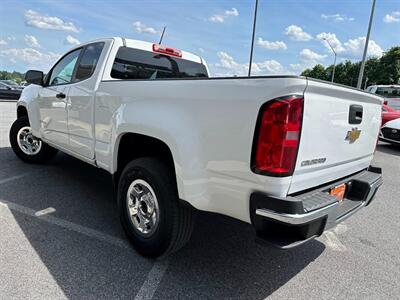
x: 361, y: 74
x: 334, y: 62
x: 252, y: 40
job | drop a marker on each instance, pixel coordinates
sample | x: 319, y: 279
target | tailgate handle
x: 355, y: 114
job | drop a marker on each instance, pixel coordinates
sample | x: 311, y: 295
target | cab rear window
x: 133, y: 63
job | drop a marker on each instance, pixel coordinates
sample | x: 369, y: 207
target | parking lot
x: 60, y: 237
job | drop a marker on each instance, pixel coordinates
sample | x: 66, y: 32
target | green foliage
x: 15, y: 76
x: 384, y: 70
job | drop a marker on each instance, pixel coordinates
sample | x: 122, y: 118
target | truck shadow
x: 221, y: 260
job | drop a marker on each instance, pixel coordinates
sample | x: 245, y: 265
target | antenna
x: 252, y: 40
x: 162, y: 34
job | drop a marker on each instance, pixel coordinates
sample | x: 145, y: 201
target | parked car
x: 24, y: 84
x: 13, y: 84
x: 390, y: 132
x: 289, y: 155
x: 391, y: 94
x: 389, y: 114
x: 9, y: 92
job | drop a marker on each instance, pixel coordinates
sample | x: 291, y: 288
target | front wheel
x: 26, y: 146
x: 156, y: 221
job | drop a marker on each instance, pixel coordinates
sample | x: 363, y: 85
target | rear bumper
x: 291, y: 221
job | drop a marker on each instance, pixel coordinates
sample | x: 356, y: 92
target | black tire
x: 176, y: 217
x: 43, y: 155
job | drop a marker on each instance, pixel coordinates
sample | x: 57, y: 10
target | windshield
x: 389, y: 92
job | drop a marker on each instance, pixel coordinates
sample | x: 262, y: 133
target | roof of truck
x: 384, y: 85
x: 147, y: 46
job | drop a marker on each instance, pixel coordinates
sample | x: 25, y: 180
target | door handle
x: 60, y: 96
x: 355, y: 114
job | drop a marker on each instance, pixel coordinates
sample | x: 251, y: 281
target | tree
x: 384, y: 70
x: 390, y: 63
x: 318, y: 72
x: 15, y: 76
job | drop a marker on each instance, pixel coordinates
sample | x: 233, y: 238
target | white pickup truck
x: 287, y: 154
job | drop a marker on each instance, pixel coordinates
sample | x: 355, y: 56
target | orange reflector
x: 338, y: 191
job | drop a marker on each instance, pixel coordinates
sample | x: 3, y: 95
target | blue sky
x: 289, y: 35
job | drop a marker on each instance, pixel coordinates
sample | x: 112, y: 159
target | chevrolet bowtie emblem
x: 353, y: 135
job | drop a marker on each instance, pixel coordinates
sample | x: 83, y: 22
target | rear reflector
x: 278, y: 136
x: 167, y: 50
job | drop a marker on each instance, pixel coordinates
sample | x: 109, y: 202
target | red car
x: 389, y: 114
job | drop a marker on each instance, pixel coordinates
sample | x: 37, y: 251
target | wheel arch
x: 125, y: 151
x: 22, y: 111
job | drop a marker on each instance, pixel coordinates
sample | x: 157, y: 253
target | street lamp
x: 361, y: 74
x: 334, y: 62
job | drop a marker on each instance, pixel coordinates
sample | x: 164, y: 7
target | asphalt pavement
x: 60, y: 237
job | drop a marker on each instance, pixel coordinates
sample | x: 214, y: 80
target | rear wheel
x: 155, y: 220
x: 26, y: 146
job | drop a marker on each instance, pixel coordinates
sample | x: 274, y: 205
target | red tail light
x: 167, y: 50
x: 278, y: 136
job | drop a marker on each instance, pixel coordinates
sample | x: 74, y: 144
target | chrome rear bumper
x: 291, y: 221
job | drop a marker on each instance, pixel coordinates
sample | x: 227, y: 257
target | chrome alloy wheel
x: 142, y: 207
x: 29, y: 144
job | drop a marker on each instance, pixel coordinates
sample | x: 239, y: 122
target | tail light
x: 278, y: 136
x: 167, y: 50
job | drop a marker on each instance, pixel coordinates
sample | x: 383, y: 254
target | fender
x: 27, y: 100
x: 161, y: 123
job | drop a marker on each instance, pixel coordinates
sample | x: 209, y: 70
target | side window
x: 64, y: 69
x: 3, y: 87
x: 88, y: 61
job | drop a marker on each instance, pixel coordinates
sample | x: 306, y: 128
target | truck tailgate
x: 339, y: 134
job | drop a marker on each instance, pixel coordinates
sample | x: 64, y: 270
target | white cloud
x: 232, y: 13
x: 33, y: 58
x: 142, y: 28
x: 333, y: 40
x: 278, y: 45
x: 32, y: 41
x: 221, y: 18
x: 392, y: 18
x: 353, y: 48
x: 311, y: 56
x: 11, y: 38
x: 296, y: 33
x: 297, y: 67
x: 217, y: 19
x: 70, y: 40
x: 337, y: 17
x: 35, y: 19
x: 3, y: 43
x: 227, y: 66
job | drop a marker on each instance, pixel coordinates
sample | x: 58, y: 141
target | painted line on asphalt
x: 153, y: 280
x: 332, y: 241
x: 45, y: 211
x: 67, y: 225
x: 12, y: 178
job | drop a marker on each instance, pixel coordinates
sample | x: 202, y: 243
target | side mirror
x: 35, y: 77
